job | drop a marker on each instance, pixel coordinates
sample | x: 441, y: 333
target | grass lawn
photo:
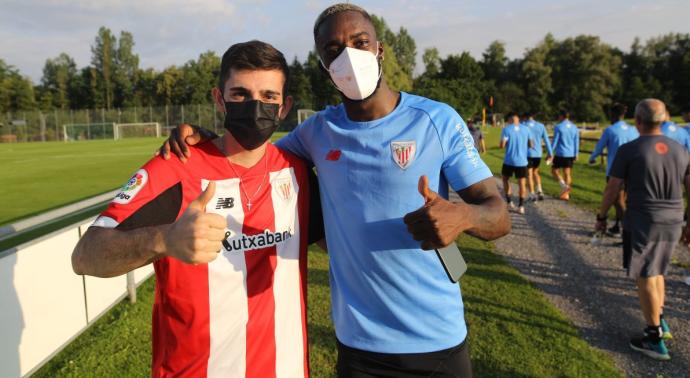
x: 514, y: 330
x: 588, y: 180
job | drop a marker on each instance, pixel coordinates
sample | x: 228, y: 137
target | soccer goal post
x: 137, y: 130
x: 303, y: 114
x: 86, y: 131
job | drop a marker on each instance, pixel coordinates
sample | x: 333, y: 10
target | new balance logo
x: 225, y: 203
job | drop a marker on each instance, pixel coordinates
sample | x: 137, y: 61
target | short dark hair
x: 564, y: 113
x: 527, y: 114
x: 618, y: 110
x: 335, y: 9
x: 253, y: 55
x: 511, y: 115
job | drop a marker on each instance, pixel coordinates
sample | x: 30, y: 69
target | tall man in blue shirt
x: 537, y: 135
x: 385, y: 160
x: 515, y: 138
x: 566, y: 145
x: 611, y: 139
x: 675, y: 132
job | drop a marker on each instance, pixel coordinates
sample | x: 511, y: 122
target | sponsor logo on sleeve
x: 132, y: 187
x: 468, y: 143
x: 404, y: 153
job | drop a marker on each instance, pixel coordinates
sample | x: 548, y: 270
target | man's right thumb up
x: 200, y: 202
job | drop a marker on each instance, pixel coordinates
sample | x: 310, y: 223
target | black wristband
x: 601, y: 219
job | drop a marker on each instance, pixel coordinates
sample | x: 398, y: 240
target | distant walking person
x: 611, y: 139
x: 675, y: 132
x: 654, y: 169
x: 537, y: 135
x: 566, y: 144
x: 515, y: 138
x: 477, y: 135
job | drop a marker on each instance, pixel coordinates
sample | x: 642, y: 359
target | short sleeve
x: 462, y: 165
x: 296, y: 141
x: 619, y: 168
x: 152, y: 196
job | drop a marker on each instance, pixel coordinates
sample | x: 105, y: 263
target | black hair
x: 618, y: 110
x: 253, y: 55
x: 335, y: 9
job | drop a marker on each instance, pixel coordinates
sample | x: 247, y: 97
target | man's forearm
x: 489, y: 219
x: 107, y: 252
x: 610, y: 195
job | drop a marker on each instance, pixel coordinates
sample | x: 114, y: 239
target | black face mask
x: 251, y: 122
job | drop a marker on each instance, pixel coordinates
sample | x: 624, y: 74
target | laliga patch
x: 132, y: 187
x: 404, y: 153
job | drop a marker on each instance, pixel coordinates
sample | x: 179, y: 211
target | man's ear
x: 285, y: 109
x: 380, y: 50
x: 218, y: 99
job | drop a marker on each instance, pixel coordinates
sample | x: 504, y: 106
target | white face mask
x: 355, y: 72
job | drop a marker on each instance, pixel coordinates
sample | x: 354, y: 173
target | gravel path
x: 550, y: 245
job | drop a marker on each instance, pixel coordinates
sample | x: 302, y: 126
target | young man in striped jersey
x: 227, y: 233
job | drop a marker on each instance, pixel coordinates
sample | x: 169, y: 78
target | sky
x: 171, y: 32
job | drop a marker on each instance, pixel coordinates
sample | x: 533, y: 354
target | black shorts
x: 509, y: 170
x: 452, y: 362
x: 563, y: 162
x: 533, y: 162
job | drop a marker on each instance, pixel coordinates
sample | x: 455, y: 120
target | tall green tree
x: 586, y: 74
x: 104, y: 60
x: 16, y: 91
x: 58, y: 77
x: 536, y: 79
x: 125, y: 71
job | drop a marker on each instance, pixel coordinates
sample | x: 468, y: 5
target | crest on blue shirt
x: 403, y: 153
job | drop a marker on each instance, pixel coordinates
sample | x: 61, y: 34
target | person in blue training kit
x: 515, y: 138
x: 566, y: 146
x: 385, y: 161
x: 537, y: 135
x: 675, y: 132
x: 614, y: 136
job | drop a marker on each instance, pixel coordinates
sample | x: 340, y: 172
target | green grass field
x: 514, y: 330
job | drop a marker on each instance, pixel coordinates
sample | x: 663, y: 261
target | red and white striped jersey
x: 242, y: 315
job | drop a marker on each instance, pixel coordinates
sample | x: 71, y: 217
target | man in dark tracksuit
x: 654, y: 169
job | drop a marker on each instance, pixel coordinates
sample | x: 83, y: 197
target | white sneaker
x: 521, y: 210
x: 511, y: 206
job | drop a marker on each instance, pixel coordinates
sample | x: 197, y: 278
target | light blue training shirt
x: 537, y: 135
x: 388, y: 295
x: 566, y: 139
x: 613, y: 137
x: 517, y: 143
x: 675, y: 132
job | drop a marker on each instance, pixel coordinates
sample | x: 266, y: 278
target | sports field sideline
x: 500, y: 305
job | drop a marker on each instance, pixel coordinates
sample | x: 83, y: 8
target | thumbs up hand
x: 195, y: 238
x: 436, y: 224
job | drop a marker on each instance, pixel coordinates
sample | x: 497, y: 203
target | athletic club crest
x: 404, y: 153
x: 284, y: 188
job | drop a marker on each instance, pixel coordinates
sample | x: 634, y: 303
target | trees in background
x: 580, y: 73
